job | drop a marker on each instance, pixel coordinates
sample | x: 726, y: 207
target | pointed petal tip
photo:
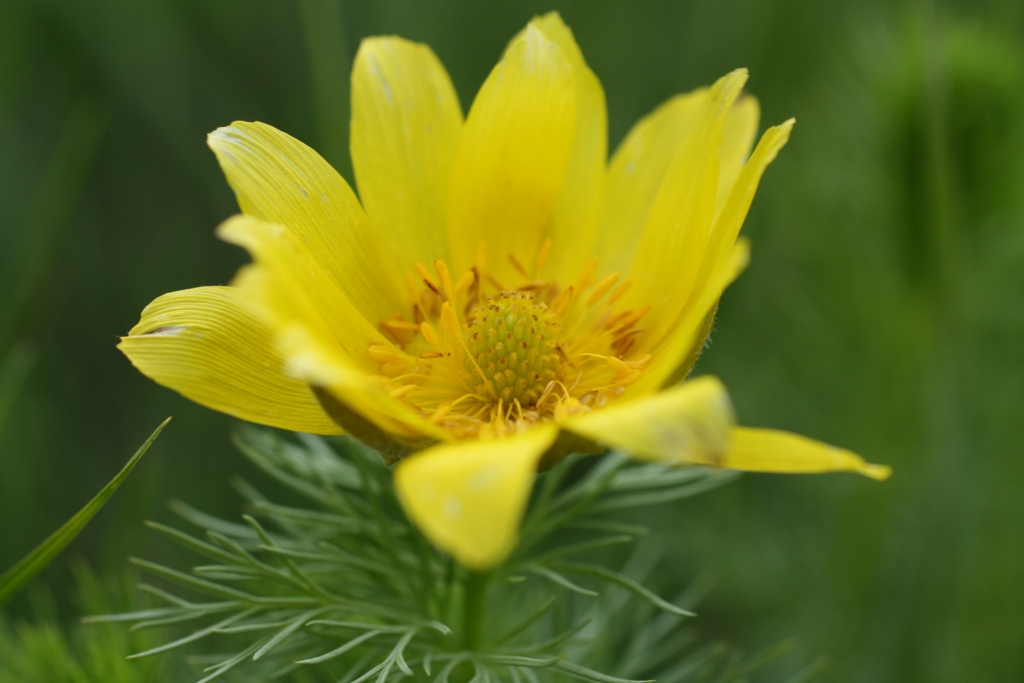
x: 554, y: 17
x: 221, y: 134
x: 786, y: 127
x: 220, y: 138
x: 738, y: 77
x: 876, y: 472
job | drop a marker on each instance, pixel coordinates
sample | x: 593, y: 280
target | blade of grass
x: 23, y: 572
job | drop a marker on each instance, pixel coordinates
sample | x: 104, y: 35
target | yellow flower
x: 499, y: 294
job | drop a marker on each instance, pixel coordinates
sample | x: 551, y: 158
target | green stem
x: 474, y: 610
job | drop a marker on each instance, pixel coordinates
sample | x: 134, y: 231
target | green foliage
x: 17, y: 576
x: 47, y: 651
x: 349, y: 590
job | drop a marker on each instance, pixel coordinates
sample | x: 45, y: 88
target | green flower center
x: 513, y: 341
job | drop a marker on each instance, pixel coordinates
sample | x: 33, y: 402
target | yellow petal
x: 205, y: 344
x: 678, y: 352
x: 673, y: 245
x: 737, y: 141
x: 688, y: 423
x: 636, y: 173
x: 577, y: 210
x: 513, y: 156
x: 726, y: 256
x: 322, y: 337
x: 469, y: 497
x: 741, y: 195
x: 406, y: 122
x: 278, y: 179
x: 769, y: 450
x: 301, y: 289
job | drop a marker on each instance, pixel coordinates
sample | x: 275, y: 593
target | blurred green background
x: 882, y: 310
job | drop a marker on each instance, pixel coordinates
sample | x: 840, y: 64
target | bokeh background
x: 882, y: 310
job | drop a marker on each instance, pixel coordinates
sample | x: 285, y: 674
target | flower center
x: 481, y: 358
x: 513, y: 352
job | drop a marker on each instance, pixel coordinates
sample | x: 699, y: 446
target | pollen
x: 513, y: 348
x: 481, y: 358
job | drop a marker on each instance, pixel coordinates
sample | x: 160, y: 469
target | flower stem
x: 474, y: 610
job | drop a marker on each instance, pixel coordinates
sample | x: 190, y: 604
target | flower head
x: 498, y: 294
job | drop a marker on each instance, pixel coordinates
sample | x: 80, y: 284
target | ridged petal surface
x: 207, y: 345
x: 513, y: 156
x: 280, y: 180
x: 406, y: 122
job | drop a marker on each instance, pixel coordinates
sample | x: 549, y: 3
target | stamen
x: 441, y: 411
x: 412, y: 289
x: 425, y: 274
x: 382, y: 353
x: 543, y: 254
x: 395, y: 367
x: 481, y: 257
x: 446, y: 279
x: 588, y: 273
x: 464, y: 283
x: 562, y: 304
x: 402, y: 392
x: 398, y: 324
x: 633, y: 318
x: 430, y: 334
x: 602, y: 288
x: 619, y: 291
x: 517, y: 264
x: 483, y: 366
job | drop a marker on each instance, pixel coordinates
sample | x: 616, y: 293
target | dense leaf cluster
x: 346, y: 589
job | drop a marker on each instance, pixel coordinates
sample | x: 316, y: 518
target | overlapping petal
x: 318, y: 330
x: 676, y: 232
x: 207, y: 345
x: 513, y: 156
x: 406, y: 122
x: 469, y: 497
x: 721, y: 262
x: 688, y: 423
x: 637, y: 171
x: 574, y: 224
x: 738, y: 136
x: 278, y: 179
